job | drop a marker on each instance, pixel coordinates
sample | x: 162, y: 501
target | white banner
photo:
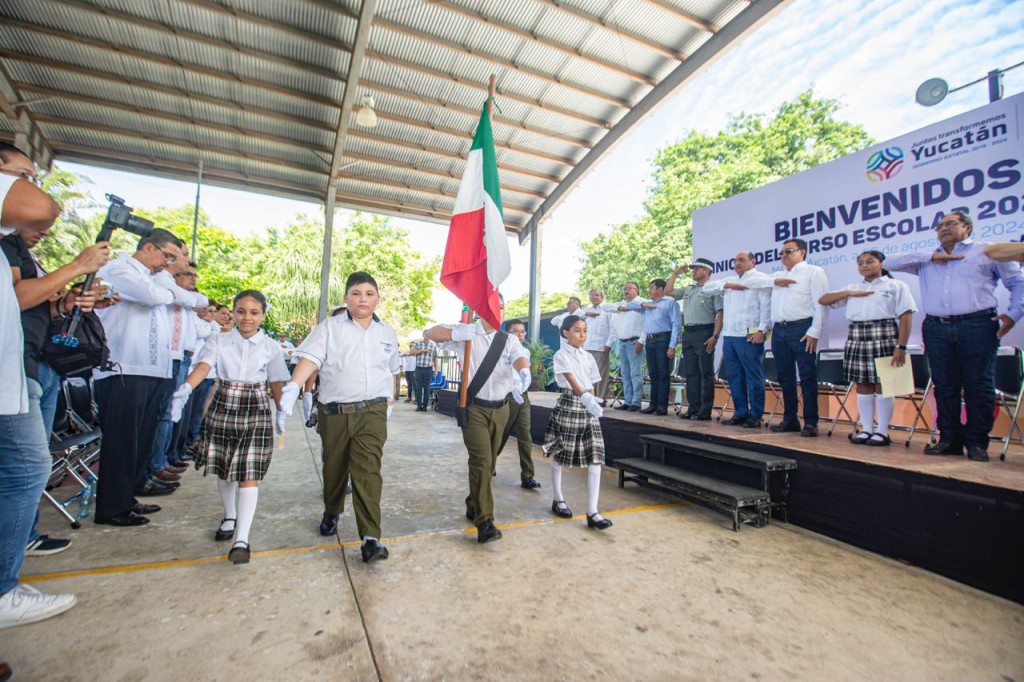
x: 888, y: 197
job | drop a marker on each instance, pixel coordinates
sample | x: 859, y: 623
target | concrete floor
x: 668, y: 593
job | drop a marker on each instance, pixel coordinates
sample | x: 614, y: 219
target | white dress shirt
x: 578, y: 362
x: 355, y: 364
x: 744, y: 310
x: 254, y: 360
x: 891, y: 298
x: 181, y: 317
x: 204, y: 330
x: 138, y: 330
x: 628, y: 325
x: 408, y: 363
x: 800, y: 300
x: 557, y: 319
x: 600, y: 332
x: 499, y: 384
x: 14, y: 397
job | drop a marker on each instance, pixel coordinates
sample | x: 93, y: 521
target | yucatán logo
x: 884, y: 164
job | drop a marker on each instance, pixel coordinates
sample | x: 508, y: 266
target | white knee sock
x: 228, y: 490
x: 246, y: 510
x: 556, y: 480
x: 593, y: 488
x: 866, y: 405
x: 886, y: 405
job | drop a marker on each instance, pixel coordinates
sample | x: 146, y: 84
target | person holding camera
x: 24, y: 454
x: 132, y: 400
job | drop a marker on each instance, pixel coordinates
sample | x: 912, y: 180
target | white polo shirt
x: 254, y: 360
x: 14, y: 396
x: 890, y: 299
x: 578, y: 362
x: 499, y: 384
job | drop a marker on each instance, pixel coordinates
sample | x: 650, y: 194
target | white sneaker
x: 25, y: 604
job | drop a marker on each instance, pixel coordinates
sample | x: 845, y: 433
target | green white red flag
x: 476, y: 259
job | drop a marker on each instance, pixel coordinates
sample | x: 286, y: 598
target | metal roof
x: 265, y: 94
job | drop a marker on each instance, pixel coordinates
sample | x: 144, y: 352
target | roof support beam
x: 546, y: 42
x: 27, y: 135
x: 618, y: 30
x: 435, y: 191
x: 746, y: 21
x: 691, y: 19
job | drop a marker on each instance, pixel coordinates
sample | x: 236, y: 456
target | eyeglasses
x: 190, y: 275
x: 948, y: 223
x: 786, y: 252
x: 171, y: 258
x: 24, y: 175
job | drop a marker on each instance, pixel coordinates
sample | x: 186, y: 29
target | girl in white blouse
x: 573, y: 437
x: 236, y: 438
x: 873, y: 307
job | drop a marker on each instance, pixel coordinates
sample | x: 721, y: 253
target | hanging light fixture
x: 366, y: 117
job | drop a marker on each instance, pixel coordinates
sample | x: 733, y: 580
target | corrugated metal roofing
x: 255, y: 89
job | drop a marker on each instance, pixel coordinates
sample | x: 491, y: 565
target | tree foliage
x: 704, y: 168
x: 520, y: 307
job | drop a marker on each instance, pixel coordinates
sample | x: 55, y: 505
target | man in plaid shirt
x: 426, y: 364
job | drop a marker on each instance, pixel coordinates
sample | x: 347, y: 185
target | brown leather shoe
x: 174, y: 469
x: 166, y: 476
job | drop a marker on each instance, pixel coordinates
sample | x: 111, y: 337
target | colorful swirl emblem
x: 885, y: 164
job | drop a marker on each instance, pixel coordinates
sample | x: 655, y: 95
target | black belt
x: 947, y: 319
x: 490, y: 404
x: 630, y: 339
x: 349, y: 408
x: 699, y: 327
x: 188, y: 353
x: 784, y: 323
x: 653, y: 334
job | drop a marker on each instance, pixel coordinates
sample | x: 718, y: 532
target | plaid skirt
x: 236, y: 437
x: 573, y: 437
x: 865, y: 342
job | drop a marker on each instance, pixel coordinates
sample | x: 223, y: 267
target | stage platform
x: 958, y: 518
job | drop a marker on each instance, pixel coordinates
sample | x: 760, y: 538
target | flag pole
x: 464, y: 385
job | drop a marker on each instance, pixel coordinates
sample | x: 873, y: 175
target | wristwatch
x: 902, y: 347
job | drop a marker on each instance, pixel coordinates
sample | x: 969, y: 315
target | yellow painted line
x: 132, y: 568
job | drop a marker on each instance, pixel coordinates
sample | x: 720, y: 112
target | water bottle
x: 85, y: 501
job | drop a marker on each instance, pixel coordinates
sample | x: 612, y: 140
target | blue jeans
x: 962, y: 358
x: 423, y: 377
x: 164, y: 425
x: 198, y: 402
x: 631, y: 369
x: 49, y: 381
x: 659, y: 365
x: 791, y: 354
x: 744, y: 365
x: 24, y: 469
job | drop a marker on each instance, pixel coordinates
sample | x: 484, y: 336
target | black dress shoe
x: 650, y: 409
x: 752, y: 424
x: 944, y: 448
x: 530, y: 483
x: 372, y: 550
x: 140, y: 508
x: 239, y: 554
x: 603, y: 524
x: 809, y: 431
x: 977, y: 453
x: 187, y: 457
x: 621, y: 407
x: 329, y: 524
x: 487, y: 532
x: 877, y: 440
x: 153, y: 489
x: 225, y: 535
x: 561, y: 509
x: 660, y: 412
x: 688, y: 415
x: 735, y: 421
x: 784, y: 427
x: 125, y: 519
x: 701, y: 417
x: 634, y: 408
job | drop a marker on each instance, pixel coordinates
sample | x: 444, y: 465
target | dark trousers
x: 744, y: 365
x: 482, y: 436
x: 962, y: 358
x: 791, y: 354
x: 519, y: 419
x: 129, y: 408
x: 698, y: 366
x: 353, y: 445
x: 659, y: 365
x: 424, y: 375
x: 410, y: 385
x: 197, y: 404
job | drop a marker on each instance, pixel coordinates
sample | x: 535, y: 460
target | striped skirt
x: 236, y: 437
x: 865, y: 342
x: 573, y: 437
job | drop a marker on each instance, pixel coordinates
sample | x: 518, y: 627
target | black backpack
x: 86, y: 350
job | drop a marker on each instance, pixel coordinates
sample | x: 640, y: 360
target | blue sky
x: 869, y: 54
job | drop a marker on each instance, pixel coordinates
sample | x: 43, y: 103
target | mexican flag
x: 476, y: 259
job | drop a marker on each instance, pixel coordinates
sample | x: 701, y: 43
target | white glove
x: 391, y: 408
x: 590, y: 402
x: 279, y: 422
x: 307, y: 405
x: 178, y: 401
x: 465, y: 332
x: 289, y: 394
x: 517, y: 395
x: 525, y: 379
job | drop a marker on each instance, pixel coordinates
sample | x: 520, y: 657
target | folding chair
x: 771, y: 382
x: 832, y: 382
x: 674, y: 380
x: 82, y: 415
x: 69, y: 451
x: 1010, y: 392
x: 438, y: 383
x: 722, y: 379
x: 919, y: 398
